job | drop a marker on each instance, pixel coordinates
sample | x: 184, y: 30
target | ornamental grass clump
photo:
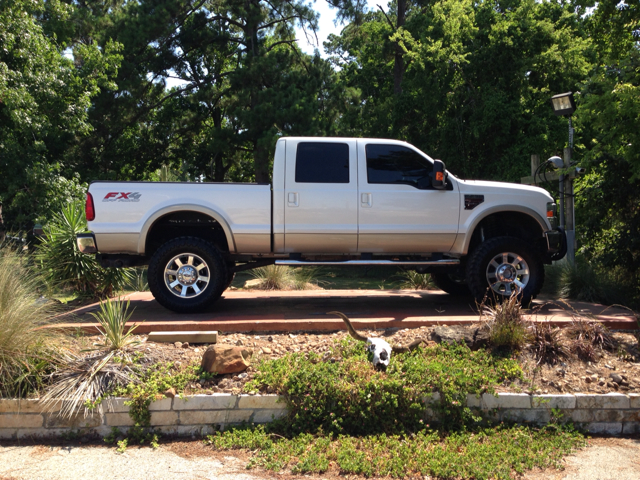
x: 548, y: 344
x: 27, y: 351
x: 412, y: 280
x: 280, y: 277
x: 506, y: 323
x: 588, y: 337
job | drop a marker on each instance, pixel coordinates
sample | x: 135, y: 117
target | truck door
x: 399, y: 211
x: 321, y: 196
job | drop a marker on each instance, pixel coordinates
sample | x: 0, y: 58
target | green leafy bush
x: 348, y: 396
x: 27, y: 351
x: 62, y: 263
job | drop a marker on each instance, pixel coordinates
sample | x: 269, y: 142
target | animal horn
x: 407, y: 348
x: 350, y: 328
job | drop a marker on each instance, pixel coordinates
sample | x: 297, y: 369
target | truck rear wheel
x: 187, y: 274
x: 451, y: 283
x: 503, y: 265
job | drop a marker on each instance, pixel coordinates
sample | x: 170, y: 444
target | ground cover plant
x: 345, y: 416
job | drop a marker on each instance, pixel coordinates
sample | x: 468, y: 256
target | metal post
x: 570, y: 211
x: 535, y: 163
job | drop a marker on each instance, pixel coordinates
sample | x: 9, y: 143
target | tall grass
x: 280, y: 277
x: 26, y: 350
x: 506, y: 323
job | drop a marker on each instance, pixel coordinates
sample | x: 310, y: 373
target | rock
x: 266, y: 350
x: 242, y: 375
x: 222, y: 359
x: 616, y: 378
x: 239, y: 343
x: 588, y: 379
x: 170, y: 393
x: 473, y: 337
x: 178, y: 344
x: 253, y: 283
x: 185, y: 345
x: 609, y: 367
x: 270, y: 338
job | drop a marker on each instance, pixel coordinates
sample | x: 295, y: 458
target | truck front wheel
x: 187, y: 274
x: 503, y: 265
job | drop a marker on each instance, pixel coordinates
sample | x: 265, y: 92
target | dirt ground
x: 568, y: 376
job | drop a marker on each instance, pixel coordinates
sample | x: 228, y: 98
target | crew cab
x: 333, y: 201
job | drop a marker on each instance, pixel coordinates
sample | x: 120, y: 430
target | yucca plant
x: 63, y: 264
x: 27, y: 351
x: 412, y: 280
x: 82, y: 380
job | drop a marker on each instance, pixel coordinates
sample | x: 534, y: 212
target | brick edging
x: 612, y: 414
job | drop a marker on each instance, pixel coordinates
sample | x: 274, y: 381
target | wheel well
x: 509, y: 224
x: 181, y: 224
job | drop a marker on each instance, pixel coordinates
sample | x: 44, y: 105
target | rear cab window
x: 322, y: 162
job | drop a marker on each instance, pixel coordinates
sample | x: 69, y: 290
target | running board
x: 418, y: 263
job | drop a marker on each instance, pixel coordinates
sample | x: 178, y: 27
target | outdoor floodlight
x: 563, y: 104
x: 557, y: 162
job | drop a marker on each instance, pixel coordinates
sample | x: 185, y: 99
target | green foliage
x: 113, y: 316
x: 28, y: 352
x: 487, y: 453
x: 62, y: 263
x: 413, y: 280
x: 349, y: 396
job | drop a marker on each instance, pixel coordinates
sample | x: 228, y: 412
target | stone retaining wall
x: 613, y: 413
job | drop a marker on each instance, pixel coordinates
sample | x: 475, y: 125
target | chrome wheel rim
x: 508, y: 272
x: 186, y: 275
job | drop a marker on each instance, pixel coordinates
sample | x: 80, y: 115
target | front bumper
x: 556, y: 243
x: 87, y: 243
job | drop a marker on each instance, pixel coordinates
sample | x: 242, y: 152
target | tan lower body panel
x: 252, y: 243
x: 406, y: 243
x: 117, y: 242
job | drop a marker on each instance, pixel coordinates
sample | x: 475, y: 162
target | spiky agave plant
x: 82, y: 380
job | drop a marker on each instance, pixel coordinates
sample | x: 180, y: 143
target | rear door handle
x: 292, y: 199
x: 366, y: 200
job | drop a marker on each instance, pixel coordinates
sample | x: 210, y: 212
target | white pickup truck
x: 334, y: 201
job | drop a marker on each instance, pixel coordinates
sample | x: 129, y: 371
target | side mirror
x: 439, y: 177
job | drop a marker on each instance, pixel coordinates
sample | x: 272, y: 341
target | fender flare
x: 185, y: 207
x: 501, y: 209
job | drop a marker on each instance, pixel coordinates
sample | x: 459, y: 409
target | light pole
x: 564, y: 105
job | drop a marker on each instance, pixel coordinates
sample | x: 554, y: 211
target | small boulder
x: 223, y: 359
x: 170, y: 393
x: 616, y: 378
x: 474, y: 337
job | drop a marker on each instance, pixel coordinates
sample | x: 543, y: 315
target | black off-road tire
x: 451, y: 284
x: 216, y: 272
x: 481, y: 258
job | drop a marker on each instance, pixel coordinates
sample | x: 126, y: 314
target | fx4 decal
x: 122, y: 197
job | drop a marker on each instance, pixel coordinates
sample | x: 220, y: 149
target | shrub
x: 413, y: 280
x: 27, y: 351
x: 505, y: 321
x: 280, y: 277
x: 586, y: 282
x: 64, y: 265
x: 589, y: 336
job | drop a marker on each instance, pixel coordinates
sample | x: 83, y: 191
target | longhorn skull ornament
x: 380, y: 349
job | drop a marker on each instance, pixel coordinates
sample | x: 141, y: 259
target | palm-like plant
x: 64, y: 265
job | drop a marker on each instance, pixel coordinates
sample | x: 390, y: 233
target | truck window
x: 395, y: 164
x: 320, y: 162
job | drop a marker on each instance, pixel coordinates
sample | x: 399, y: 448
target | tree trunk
x: 398, y: 65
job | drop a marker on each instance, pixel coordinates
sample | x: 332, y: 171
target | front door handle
x: 292, y: 199
x: 366, y: 200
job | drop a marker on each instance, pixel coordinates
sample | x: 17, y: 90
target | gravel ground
x: 604, y: 459
x: 79, y: 462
